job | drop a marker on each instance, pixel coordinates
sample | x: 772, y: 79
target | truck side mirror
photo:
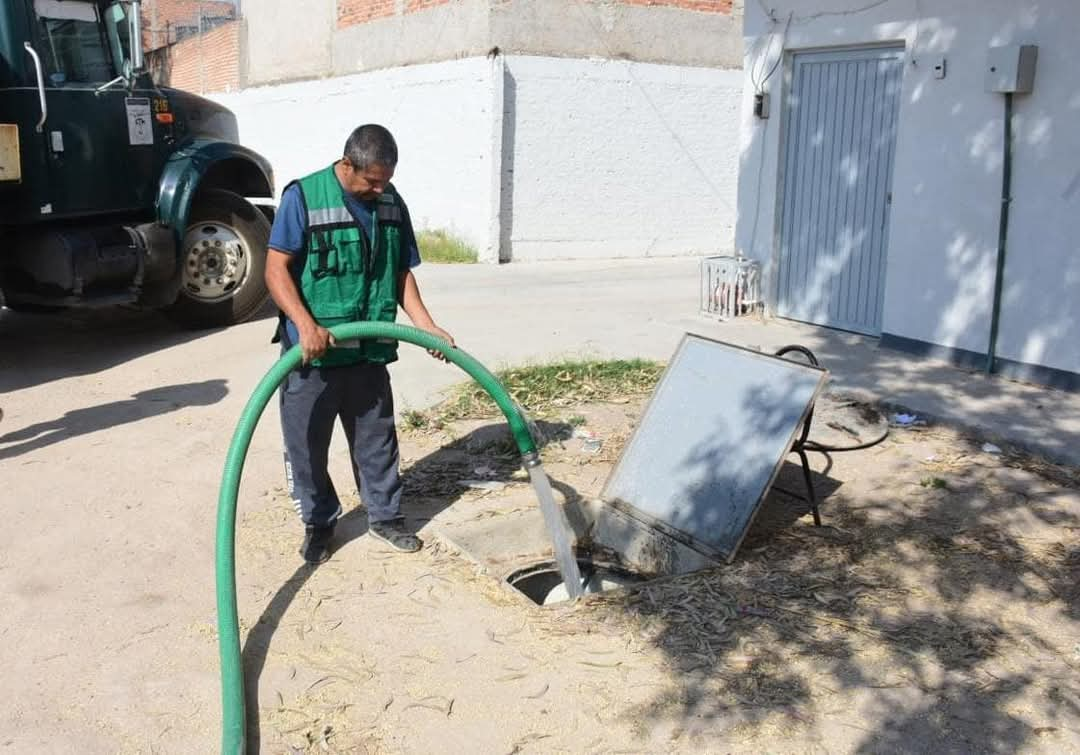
x: 135, y: 16
x: 123, y: 20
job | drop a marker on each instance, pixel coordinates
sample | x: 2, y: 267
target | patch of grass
x: 418, y: 421
x: 440, y: 247
x: 936, y: 483
x: 576, y: 421
x: 414, y: 420
x: 544, y: 388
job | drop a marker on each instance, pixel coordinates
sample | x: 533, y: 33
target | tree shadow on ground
x: 893, y: 606
x: 431, y: 485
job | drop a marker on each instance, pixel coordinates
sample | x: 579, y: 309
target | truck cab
x: 114, y: 190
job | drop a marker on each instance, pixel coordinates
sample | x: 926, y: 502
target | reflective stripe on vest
x: 329, y: 216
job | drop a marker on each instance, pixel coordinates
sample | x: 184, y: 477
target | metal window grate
x: 730, y: 286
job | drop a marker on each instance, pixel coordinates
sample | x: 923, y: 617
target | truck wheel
x: 223, y: 257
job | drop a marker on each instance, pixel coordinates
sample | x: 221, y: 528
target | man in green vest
x: 342, y: 249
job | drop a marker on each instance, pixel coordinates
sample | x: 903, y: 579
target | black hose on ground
x: 808, y: 443
x: 813, y: 445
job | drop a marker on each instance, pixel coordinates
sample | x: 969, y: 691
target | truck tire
x: 223, y: 257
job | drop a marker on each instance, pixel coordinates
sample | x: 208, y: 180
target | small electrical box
x: 761, y: 104
x: 1011, y: 68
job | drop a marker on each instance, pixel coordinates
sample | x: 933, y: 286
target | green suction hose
x: 232, y: 674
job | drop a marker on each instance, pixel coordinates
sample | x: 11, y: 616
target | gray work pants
x: 312, y: 399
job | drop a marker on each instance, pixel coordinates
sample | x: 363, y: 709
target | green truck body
x: 114, y: 190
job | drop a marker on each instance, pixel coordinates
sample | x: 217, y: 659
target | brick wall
x: 353, y: 12
x: 705, y: 6
x: 414, y: 5
x: 164, y: 21
x: 206, y: 63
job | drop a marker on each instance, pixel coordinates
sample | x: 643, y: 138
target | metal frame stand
x: 799, y: 446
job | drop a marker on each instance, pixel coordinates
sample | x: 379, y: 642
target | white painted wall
x: 545, y: 158
x: 609, y: 158
x: 441, y: 115
x: 947, y: 179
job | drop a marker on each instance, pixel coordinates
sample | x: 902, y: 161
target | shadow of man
x: 144, y: 404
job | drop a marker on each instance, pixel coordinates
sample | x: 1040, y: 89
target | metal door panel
x: 841, y: 119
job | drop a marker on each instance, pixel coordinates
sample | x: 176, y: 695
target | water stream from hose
x: 559, y: 529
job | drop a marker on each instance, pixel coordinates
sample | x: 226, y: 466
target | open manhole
x: 542, y: 584
x: 687, y: 486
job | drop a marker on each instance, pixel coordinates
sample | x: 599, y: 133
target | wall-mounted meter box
x: 1011, y: 68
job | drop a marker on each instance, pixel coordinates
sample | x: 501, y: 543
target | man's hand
x: 438, y: 332
x: 314, y: 341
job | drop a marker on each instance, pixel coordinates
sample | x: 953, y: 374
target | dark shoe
x: 316, y: 547
x: 395, y: 534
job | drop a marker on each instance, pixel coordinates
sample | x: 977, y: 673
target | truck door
x: 23, y: 173
x: 101, y: 141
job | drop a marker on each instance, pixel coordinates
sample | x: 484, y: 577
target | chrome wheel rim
x: 215, y: 262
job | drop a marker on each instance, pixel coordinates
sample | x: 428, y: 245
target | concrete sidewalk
x: 521, y: 313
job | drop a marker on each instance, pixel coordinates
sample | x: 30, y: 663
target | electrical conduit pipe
x: 232, y: 675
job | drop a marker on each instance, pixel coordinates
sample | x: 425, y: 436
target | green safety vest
x: 350, y: 273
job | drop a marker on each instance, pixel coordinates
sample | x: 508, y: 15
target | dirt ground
x: 936, y: 611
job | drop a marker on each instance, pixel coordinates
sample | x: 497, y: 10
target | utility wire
x: 759, y: 86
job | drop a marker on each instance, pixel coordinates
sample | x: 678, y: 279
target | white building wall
x: 442, y: 116
x: 609, y: 158
x: 541, y: 158
x: 947, y: 178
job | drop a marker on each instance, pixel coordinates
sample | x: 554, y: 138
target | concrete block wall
x: 444, y: 117
x: 611, y: 158
x: 530, y: 158
x: 290, y: 40
x: 672, y: 32
x: 533, y: 130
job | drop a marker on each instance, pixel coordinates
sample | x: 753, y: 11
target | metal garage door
x: 841, y: 117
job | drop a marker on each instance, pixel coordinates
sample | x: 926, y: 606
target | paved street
x: 116, y: 424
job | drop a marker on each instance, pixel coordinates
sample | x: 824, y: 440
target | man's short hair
x: 371, y: 144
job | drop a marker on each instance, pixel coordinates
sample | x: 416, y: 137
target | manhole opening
x: 542, y: 584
